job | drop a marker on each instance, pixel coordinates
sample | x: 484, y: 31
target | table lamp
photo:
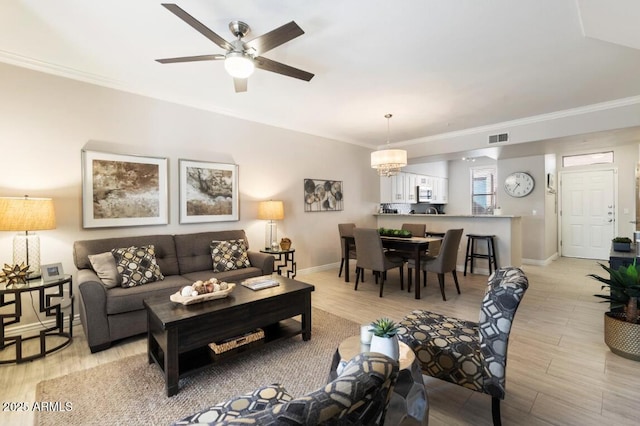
x: 27, y: 214
x: 271, y: 211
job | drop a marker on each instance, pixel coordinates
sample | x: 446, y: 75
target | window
x: 587, y: 159
x: 483, y: 190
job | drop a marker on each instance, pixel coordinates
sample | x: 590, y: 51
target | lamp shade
x: 26, y: 214
x: 271, y: 210
x: 389, y: 158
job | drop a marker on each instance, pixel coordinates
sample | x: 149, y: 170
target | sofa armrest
x: 93, y: 310
x: 263, y: 261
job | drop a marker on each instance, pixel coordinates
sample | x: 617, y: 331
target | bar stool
x: 473, y: 254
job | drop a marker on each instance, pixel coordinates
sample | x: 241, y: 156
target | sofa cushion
x: 105, y: 267
x: 229, y: 255
x: 137, y: 265
x: 163, y: 244
x: 123, y: 300
x: 194, y: 250
x: 258, y: 400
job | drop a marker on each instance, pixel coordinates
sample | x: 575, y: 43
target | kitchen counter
x: 506, y: 228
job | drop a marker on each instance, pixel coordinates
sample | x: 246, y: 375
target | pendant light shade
x: 388, y: 162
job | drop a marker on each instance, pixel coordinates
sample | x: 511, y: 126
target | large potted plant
x: 385, y: 339
x: 621, y: 323
x: 621, y: 244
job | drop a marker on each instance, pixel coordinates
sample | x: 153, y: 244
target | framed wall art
x: 321, y: 195
x: 208, y: 192
x: 123, y: 190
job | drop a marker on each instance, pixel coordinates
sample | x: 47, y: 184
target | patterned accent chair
x: 358, y: 396
x: 469, y: 354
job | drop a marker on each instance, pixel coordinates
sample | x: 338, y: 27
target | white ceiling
x: 438, y: 66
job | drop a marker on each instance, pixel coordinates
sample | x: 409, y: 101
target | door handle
x: 610, y: 220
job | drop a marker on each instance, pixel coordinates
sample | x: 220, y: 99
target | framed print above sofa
x: 208, y: 192
x: 123, y: 190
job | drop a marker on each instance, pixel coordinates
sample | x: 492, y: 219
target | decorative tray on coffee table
x: 179, y: 298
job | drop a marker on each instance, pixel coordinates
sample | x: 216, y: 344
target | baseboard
x: 543, y: 262
x: 36, y: 327
x: 319, y: 268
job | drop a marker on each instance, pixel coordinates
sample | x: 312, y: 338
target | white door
x: 587, y: 213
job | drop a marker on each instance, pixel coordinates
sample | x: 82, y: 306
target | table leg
x: 417, y: 273
x: 171, y: 364
x: 306, y: 320
x: 347, y: 248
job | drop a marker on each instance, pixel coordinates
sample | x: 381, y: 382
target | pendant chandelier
x: 388, y: 162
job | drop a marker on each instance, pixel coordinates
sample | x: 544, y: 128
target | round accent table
x: 409, y: 403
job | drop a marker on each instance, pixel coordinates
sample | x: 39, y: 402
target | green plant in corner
x: 622, y: 240
x: 624, y: 289
x: 384, y: 327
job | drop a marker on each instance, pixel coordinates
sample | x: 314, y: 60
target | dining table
x: 415, y: 247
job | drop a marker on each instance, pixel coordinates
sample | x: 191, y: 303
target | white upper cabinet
x: 402, y: 188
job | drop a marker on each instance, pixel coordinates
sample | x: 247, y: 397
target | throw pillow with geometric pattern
x: 229, y: 255
x: 137, y: 265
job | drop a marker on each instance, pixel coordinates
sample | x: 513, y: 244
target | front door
x: 587, y: 213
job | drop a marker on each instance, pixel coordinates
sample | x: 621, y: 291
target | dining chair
x: 416, y: 229
x: 371, y: 255
x: 444, y: 262
x: 346, y: 230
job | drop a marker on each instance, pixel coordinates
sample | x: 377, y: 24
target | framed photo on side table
x: 208, y: 192
x: 51, y: 272
x: 123, y: 190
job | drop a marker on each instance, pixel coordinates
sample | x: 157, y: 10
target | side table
x: 409, y: 404
x: 284, y: 257
x: 51, y: 296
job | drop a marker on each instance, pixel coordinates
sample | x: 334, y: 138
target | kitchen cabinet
x: 402, y: 188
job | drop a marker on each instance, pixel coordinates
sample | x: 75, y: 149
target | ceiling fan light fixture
x: 388, y: 162
x: 239, y: 64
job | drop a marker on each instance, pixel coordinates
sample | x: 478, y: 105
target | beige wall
x: 46, y: 121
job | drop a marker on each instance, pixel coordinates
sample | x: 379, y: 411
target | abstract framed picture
x: 123, y: 190
x: 323, y: 195
x: 208, y: 192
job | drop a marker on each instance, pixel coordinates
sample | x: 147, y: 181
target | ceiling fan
x: 242, y: 57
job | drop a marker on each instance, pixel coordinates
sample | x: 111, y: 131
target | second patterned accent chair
x: 466, y: 353
x: 358, y: 396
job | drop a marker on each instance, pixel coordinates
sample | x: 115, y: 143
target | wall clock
x: 519, y: 184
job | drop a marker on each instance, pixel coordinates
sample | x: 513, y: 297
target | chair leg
x: 384, y: 275
x: 357, y: 277
x: 341, y: 266
x: 402, y: 277
x: 441, y: 281
x: 455, y: 280
x: 495, y: 411
x: 424, y: 278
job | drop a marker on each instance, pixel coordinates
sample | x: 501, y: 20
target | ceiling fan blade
x: 190, y: 59
x: 280, y: 68
x: 275, y: 38
x: 198, y: 26
x: 240, y: 84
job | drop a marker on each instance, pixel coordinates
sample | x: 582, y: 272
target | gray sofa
x: 110, y: 314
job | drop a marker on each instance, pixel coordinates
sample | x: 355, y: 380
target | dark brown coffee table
x: 179, y: 335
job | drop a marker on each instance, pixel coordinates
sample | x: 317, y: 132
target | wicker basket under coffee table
x: 409, y: 403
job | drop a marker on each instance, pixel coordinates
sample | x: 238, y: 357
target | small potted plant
x: 621, y: 323
x: 621, y: 244
x: 385, y: 339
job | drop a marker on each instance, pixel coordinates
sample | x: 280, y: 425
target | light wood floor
x: 559, y: 371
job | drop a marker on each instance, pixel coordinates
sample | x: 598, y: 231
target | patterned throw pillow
x: 228, y: 255
x: 137, y: 265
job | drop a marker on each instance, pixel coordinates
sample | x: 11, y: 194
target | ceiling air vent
x: 499, y: 138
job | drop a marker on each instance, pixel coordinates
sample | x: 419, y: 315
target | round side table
x: 409, y: 404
